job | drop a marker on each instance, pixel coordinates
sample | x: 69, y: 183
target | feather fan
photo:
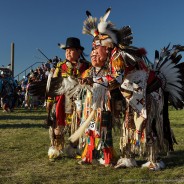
x: 38, y: 88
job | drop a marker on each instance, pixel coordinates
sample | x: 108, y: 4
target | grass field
x: 24, y: 143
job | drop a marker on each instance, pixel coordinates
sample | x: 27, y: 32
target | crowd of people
x: 15, y: 93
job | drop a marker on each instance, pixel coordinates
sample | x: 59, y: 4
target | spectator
x: 55, y: 61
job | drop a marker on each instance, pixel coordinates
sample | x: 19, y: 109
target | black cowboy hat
x: 71, y: 42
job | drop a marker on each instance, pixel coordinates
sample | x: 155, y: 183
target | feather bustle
x: 168, y: 65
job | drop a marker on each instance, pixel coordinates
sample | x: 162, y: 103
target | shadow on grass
x: 177, y: 125
x: 14, y: 117
x: 29, y: 110
x: 175, y: 159
x: 23, y: 110
x: 22, y: 125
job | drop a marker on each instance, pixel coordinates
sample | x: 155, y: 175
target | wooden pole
x: 12, y: 59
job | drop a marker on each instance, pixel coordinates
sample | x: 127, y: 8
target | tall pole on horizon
x: 12, y: 59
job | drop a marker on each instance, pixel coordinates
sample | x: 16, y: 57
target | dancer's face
x: 99, y: 55
x: 72, y: 54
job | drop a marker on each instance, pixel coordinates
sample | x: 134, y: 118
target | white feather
x: 173, y: 73
x: 78, y: 133
x: 164, y: 53
x: 177, y: 86
x: 61, y: 46
x: 167, y: 63
x: 130, y: 56
x: 49, y: 81
x: 67, y: 85
x: 175, y: 100
x: 102, y: 27
x: 104, y: 18
x: 155, y: 63
x: 173, y: 91
x: 167, y: 69
x: 173, y: 80
x: 161, y: 62
x: 112, y: 35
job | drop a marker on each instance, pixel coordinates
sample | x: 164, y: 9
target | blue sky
x: 42, y: 24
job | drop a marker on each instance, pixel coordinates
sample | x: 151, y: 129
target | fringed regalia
x: 97, y: 139
x: 67, y: 119
x: 147, y: 87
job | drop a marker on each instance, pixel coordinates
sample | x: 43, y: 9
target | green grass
x: 24, y: 143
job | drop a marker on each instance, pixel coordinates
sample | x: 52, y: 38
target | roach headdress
x: 105, y: 32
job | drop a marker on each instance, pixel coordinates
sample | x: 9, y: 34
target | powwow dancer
x: 97, y: 104
x: 61, y: 108
x: 73, y: 65
x: 97, y: 141
x: 7, y: 89
x: 147, y: 90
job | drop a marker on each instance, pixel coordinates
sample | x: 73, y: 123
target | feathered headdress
x: 105, y: 33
